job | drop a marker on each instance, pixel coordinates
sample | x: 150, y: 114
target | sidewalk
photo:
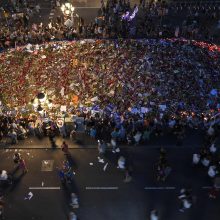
x: 193, y: 139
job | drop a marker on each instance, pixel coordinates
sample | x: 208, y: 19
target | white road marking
x: 102, y: 188
x: 210, y: 187
x: 173, y: 188
x: 160, y: 188
x: 44, y: 188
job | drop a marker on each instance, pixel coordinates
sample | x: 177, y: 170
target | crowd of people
x: 116, y: 19
x: 14, y: 21
x: 207, y: 157
x: 172, y: 83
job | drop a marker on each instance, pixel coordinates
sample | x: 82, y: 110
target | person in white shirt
x: 137, y: 137
x: 185, y: 198
x: 72, y: 216
x: 101, y: 146
x: 213, y: 149
x: 154, y: 215
x: 211, y: 131
x: 74, y: 203
x: 37, y: 8
x: 196, y: 159
x: 121, y: 163
x: 5, y: 177
x: 186, y: 204
x: 212, y: 171
x: 205, y: 161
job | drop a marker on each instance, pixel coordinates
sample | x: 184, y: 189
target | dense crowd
x: 116, y: 19
x: 173, y: 84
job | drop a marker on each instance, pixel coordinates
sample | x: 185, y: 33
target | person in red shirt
x: 22, y: 166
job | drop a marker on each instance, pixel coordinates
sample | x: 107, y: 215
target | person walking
x: 68, y: 172
x: 154, y: 215
x: 65, y: 148
x: 128, y: 177
x: 16, y: 158
x: 213, y: 193
x: 2, y: 204
x: 128, y: 169
x: 72, y: 216
x: 61, y: 175
x: 186, y: 199
x: 51, y: 136
x: 23, y: 166
x: 5, y: 177
x: 73, y: 135
x: 102, y: 147
x: 74, y: 201
x: 121, y: 163
x: 162, y: 168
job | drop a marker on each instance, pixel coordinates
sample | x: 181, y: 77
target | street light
x: 69, y: 16
x: 41, y: 102
x: 67, y: 4
x: 63, y: 8
x: 67, y: 8
x: 72, y: 9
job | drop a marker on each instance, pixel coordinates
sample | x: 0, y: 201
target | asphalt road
x: 103, y: 194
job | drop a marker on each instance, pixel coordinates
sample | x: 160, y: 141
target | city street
x: 103, y: 194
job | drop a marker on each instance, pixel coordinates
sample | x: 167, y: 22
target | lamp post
x: 68, y: 10
x: 41, y: 103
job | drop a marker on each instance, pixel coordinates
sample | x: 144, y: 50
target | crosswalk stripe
x: 102, y: 188
x: 44, y: 188
x: 160, y: 188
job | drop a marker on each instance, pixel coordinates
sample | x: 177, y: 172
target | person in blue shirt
x: 93, y: 132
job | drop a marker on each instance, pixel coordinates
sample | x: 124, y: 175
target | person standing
x: 13, y: 136
x: 114, y: 136
x: 51, y: 136
x: 73, y: 135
